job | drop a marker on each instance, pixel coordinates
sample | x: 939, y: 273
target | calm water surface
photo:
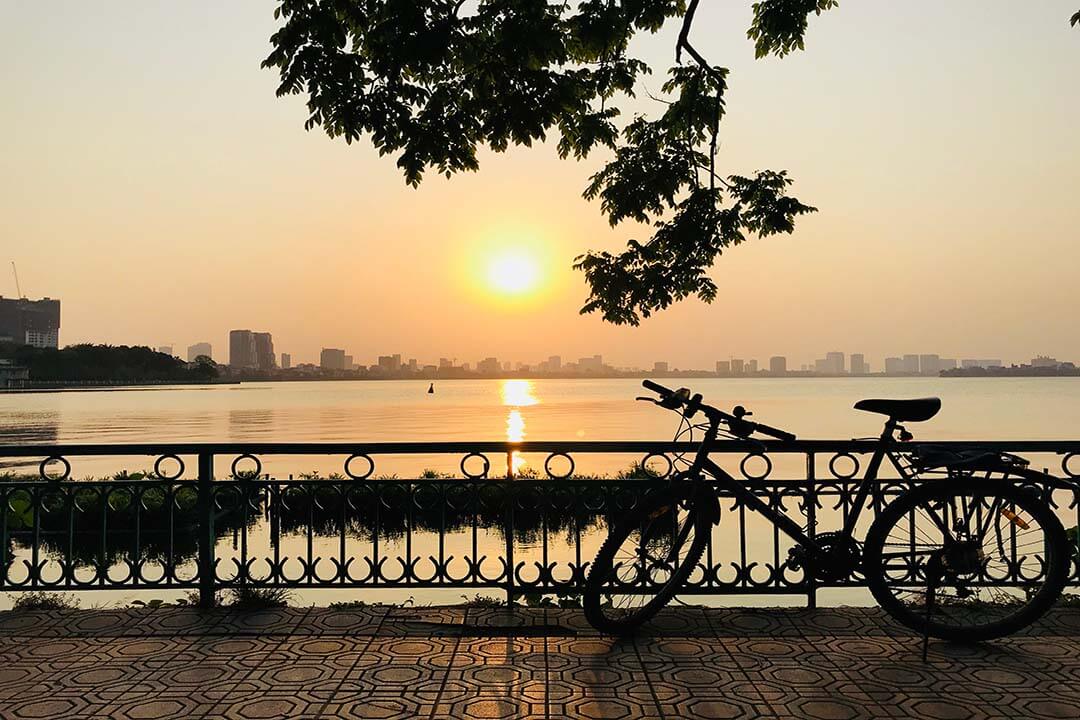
x: 974, y: 408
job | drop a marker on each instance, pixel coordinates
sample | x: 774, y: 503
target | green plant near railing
x: 561, y: 600
x: 45, y: 601
x: 253, y: 597
x: 1073, y: 534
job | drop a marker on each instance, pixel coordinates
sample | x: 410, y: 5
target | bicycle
x: 969, y: 557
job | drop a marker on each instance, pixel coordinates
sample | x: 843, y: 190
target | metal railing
x: 490, y: 522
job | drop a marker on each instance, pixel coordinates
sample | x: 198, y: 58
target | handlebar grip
x: 657, y: 388
x: 778, y: 434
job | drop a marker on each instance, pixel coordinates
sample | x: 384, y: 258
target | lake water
x: 365, y: 411
x: 463, y: 410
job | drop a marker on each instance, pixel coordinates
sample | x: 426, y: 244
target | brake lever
x: 654, y: 401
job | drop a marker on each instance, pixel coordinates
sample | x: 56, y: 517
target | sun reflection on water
x: 517, y: 394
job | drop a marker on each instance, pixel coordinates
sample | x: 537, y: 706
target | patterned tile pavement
x: 379, y: 662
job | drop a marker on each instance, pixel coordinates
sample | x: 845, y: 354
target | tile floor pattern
x: 380, y: 662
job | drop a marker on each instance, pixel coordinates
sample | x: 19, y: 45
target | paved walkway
x: 458, y: 662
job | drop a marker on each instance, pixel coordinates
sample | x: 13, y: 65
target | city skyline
x: 255, y: 351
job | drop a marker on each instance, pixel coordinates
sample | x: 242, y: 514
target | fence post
x: 206, y: 530
x: 811, y: 530
x: 510, y: 497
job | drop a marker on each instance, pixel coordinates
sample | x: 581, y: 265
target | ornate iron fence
x: 513, y: 529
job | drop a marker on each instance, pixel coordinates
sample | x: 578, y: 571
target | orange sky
x: 155, y: 184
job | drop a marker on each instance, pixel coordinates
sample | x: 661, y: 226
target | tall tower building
x: 834, y: 362
x: 858, y: 364
x: 265, y: 359
x: 30, y: 322
x: 242, y: 349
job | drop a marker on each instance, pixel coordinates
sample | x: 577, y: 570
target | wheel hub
x: 963, y: 558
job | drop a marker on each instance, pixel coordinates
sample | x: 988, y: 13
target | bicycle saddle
x: 903, y: 410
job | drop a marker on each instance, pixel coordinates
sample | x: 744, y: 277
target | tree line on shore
x: 87, y: 362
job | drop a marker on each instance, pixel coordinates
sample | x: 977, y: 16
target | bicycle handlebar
x: 778, y: 434
x: 683, y: 398
x: 657, y: 388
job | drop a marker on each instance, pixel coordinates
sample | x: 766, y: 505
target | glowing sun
x: 513, y: 272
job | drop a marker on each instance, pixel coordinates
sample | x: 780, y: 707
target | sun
x: 513, y: 272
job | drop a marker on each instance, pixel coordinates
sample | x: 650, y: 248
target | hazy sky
x: 154, y: 183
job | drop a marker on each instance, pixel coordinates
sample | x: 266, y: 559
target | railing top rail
x: 545, y: 446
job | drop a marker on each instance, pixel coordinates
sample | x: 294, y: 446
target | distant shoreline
x: 521, y: 376
x: 166, y: 385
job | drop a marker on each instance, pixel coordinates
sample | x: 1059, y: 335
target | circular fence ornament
x: 844, y: 456
x: 483, y: 472
x: 359, y: 476
x: 43, y: 468
x: 163, y: 459
x: 743, y: 466
x: 251, y: 475
x: 1065, y: 465
x: 559, y: 476
x: 650, y: 472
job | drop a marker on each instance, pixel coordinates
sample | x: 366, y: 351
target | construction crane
x: 17, y: 288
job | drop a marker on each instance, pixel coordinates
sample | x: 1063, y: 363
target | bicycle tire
x: 595, y: 586
x: 1056, y: 564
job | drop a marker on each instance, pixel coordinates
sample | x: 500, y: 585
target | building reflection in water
x: 517, y: 394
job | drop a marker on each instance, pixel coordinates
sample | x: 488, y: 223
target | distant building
x: 751, y: 367
x: 858, y: 364
x: 349, y: 364
x: 413, y: 367
x: 894, y: 366
x: 911, y: 364
x: 778, y: 365
x: 968, y: 363
x: 834, y: 361
x: 593, y: 364
x: 1042, y: 361
x: 660, y: 367
x: 265, y: 359
x: 488, y: 366
x: 929, y: 365
x: 286, y: 361
x: 332, y: 359
x: 203, y: 348
x: 30, y: 322
x: 165, y: 350
x: 554, y: 363
x: 948, y: 363
x: 723, y: 367
x: 737, y: 367
x: 242, y: 349
x: 445, y: 363
x: 390, y: 363
x: 990, y: 363
x: 12, y: 375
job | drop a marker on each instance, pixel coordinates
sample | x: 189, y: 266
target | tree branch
x: 684, y: 44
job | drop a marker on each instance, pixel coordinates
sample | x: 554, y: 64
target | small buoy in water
x: 431, y: 389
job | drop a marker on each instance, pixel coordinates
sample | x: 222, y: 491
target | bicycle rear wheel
x: 644, y: 560
x: 967, y: 560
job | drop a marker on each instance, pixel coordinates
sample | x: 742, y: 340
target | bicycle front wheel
x: 968, y: 559
x: 645, y: 560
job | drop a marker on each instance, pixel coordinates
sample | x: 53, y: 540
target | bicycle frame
x: 884, y: 448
